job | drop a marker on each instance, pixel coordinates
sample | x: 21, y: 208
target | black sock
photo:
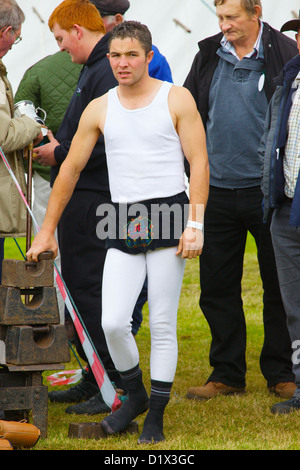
x: 153, y: 425
x: 136, y: 403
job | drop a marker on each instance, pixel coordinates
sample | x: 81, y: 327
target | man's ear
x: 6, y: 31
x: 77, y: 30
x: 119, y: 18
x: 257, y: 13
x: 150, y: 56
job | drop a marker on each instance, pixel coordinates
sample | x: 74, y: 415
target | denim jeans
x: 286, y: 241
x: 230, y: 214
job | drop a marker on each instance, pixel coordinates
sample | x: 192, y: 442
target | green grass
x: 224, y: 423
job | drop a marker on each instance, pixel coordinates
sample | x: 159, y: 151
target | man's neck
x: 139, y: 95
x: 90, y: 44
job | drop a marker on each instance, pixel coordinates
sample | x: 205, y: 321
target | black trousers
x: 82, y: 261
x: 230, y: 214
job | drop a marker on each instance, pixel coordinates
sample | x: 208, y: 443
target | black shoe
x: 93, y: 406
x: 285, y: 407
x: 83, y: 391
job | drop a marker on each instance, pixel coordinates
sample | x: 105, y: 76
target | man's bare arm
x: 192, y: 136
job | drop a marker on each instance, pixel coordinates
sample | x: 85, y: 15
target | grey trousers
x: 286, y: 242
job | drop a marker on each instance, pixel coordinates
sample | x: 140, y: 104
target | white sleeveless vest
x: 144, y: 154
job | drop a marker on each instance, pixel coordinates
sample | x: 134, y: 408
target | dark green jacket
x: 50, y: 84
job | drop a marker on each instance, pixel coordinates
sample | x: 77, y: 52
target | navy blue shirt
x: 95, y: 80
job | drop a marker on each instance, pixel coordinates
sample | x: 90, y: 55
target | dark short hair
x: 133, y: 30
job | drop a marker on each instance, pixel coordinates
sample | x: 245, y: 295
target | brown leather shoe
x: 284, y: 389
x: 212, y: 389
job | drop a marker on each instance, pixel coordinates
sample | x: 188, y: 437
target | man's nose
x: 123, y: 61
x: 225, y: 26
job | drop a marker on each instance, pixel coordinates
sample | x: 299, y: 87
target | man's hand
x: 38, y: 139
x: 45, y: 153
x: 190, y: 243
x: 42, y: 242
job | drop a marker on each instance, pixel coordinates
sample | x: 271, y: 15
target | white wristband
x: 193, y: 224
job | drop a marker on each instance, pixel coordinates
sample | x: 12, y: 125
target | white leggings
x: 123, y: 279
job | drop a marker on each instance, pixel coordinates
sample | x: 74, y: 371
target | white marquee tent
x: 176, y: 26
